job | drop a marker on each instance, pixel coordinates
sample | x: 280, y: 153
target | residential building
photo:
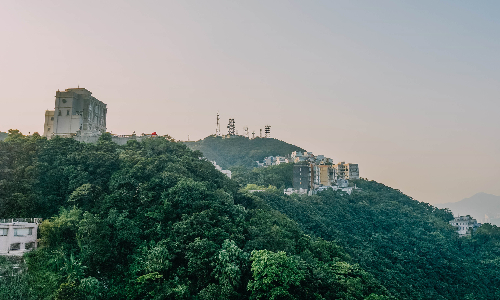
x: 76, y: 112
x: 18, y: 236
x: 347, y: 171
x: 302, y: 177
x: 465, y: 225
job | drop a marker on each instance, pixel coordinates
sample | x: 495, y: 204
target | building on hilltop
x: 18, y: 236
x: 76, y: 113
x: 347, y: 171
x: 465, y: 225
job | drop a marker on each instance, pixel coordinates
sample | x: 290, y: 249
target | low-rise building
x: 465, y: 225
x: 18, y: 236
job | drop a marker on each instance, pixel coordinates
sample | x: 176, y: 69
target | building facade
x: 18, y: 235
x: 465, y: 225
x: 302, y: 177
x: 76, y: 113
x: 347, y: 170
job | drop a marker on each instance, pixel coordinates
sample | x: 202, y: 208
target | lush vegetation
x: 152, y: 220
x: 407, y: 245
x: 240, y: 150
x: 280, y: 176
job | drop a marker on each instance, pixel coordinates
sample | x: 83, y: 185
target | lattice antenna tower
x: 217, y: 129
x: 268, y: 131
x: 246, y: 130
x: 231, y: 128
x: 253, y: 134
x: 261, y: 132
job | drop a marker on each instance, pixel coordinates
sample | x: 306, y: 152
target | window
x: 52, y: 118
x: 64, y: 100
x: 15, y: 246
x: 30, y: 231
x: 59, y: 114
x: 4, y: 231
x: 67, y: 112
x: 21, y: 231
x: 29, y: 246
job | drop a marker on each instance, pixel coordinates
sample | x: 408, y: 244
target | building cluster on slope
x: 313, y: 173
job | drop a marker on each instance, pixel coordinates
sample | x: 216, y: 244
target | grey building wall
x: 76, y: 112
x: 301, y: 176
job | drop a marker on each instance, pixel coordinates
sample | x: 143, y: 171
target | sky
x: 409, y: 90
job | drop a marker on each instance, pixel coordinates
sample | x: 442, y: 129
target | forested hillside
x: 152, y: 220
x: 406, y: 245
x: 240, y: 150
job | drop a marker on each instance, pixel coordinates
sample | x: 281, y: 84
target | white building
x: 465, y: 225
x: 18, y: 236
x: 76, y: 112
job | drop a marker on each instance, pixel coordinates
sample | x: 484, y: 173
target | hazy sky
x: 409, y: 90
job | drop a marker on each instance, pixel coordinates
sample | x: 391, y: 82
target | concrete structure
x: 18, y: 236
x: 325, y: 175
x: 347, y: 171
x: 76, y: 113
x: 301, y: 177
x: 465, y: 225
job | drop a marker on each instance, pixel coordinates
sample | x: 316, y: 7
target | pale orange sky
x: 406, y: 89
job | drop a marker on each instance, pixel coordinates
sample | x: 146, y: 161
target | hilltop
x: 483, y: 207
x: 240, y: 150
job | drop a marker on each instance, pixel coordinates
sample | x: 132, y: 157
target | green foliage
x: 274, y: 275
x: 407, y: 245
x: 280, y: 176
x: 152, y: 220
x: 240, y: 150
x: 147, y: 220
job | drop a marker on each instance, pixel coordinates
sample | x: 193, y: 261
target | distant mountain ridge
x: 240, y: 150
x: 483, y: 207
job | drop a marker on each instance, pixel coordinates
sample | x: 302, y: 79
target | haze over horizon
x: 408, y: 90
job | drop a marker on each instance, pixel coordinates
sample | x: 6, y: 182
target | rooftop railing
x: 26, y: 220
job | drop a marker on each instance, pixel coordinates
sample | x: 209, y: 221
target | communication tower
x: 253, y: 134
x: 268, y: 131
x: 231, y: 128
x: 217, y: 129
x: 246, y: 130
x: 261, y: 132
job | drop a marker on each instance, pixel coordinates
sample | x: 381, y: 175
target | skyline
x: 409, y: 91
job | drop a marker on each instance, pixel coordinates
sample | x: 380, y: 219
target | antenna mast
x: 231, y: 127
x: 268, y: 131
x: 217, y: 129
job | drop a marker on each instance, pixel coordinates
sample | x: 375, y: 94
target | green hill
x: 405, y: 244
x: 240, y: 150
x: 152, y: 220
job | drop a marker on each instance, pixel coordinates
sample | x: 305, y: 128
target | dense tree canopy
x: 152, y: 220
